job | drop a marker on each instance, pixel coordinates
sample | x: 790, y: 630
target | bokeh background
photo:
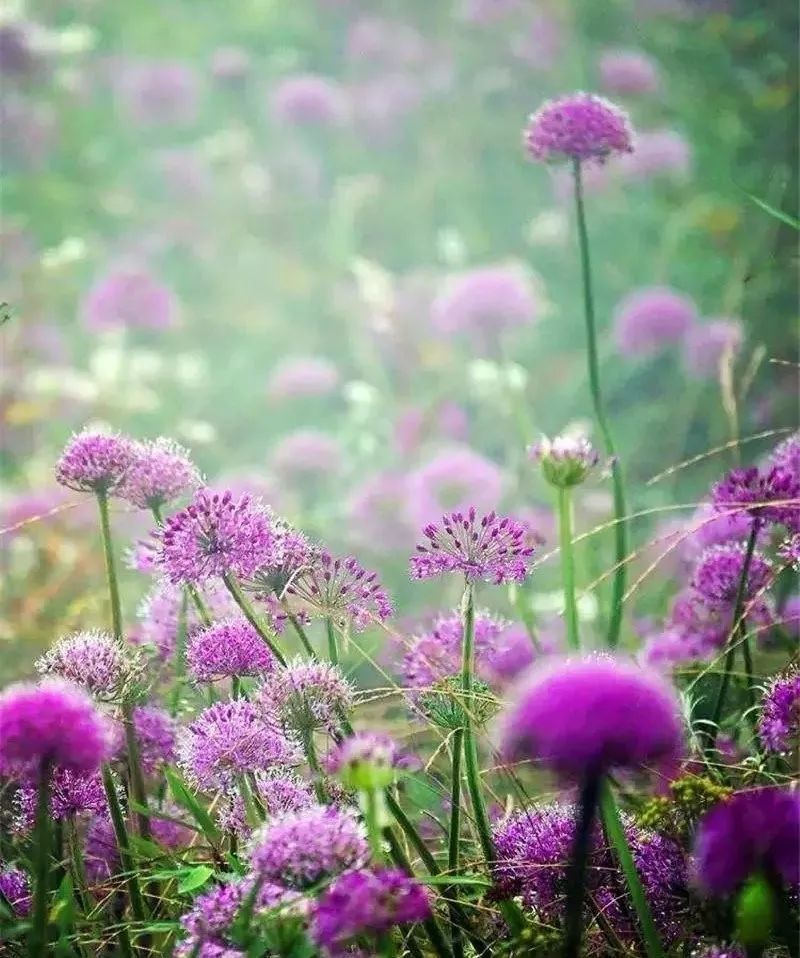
x: 303, y: 239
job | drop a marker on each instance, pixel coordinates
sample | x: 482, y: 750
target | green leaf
x: 195, y: 878
x: 474, y: 880
x: 184, y: 797
x: 786, y: 218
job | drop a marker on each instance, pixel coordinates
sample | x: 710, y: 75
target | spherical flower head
x: 101, y: 852
x: 707, y: 528
x: 229, y: 739
x: 129, y: 297
x: 156, y: 733
x: 628, y: 72
x: 215, y: 535
x: 492, y: 298
x: 94, y: 461
x: 649, y: 319
x: 779, y: 724
x: 71, y: 794
x: 50, y: 723
x: 719, y: 570
x: 306, y: 696
x: 106, y: 667
x: 281, y: 791
x: 786, y: 455
x: 16, y: 889
x: 161, y: 471
x: 228, y: 649
x: 367, y: 903
x: 309, y: 100
x: 365, y: 761
x: 454, y: 480
x: 581, y: 127
x: 566, y: 460
x: 772, y: 495
x: 340, y: 589
x: 301, y: 848
x: 490, y: 548
x: 303, y: 377
x: 752, y: 831
x: 705, y: 345
x: 587, y: 716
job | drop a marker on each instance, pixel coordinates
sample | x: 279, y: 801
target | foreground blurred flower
x: 306, y: 696
x: 227, y: 649
x: 94, y: 461
x: 156, y: 732
x: 105, y: 667
x: 306, y: 453
x: 628, y: 72
x: 128, y: 297
x: 580, y: 127
x: 649, y: 319
x: 779, y: 724
x: 364, y: 761
x: 565, y: 460
x: 660, y: 152
x: 486, y: 300
x: 160, y: 472
x: 367, y: 903
x: 491, y: 548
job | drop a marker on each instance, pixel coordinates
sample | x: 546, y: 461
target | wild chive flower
x: 216, y: 535
x: 106, y: 667
x: 227, y: 740
x: 227, y: 649
x: 16, y: 889
x: 486, y: 300
x: 160, y: 472
x: 365, y: 760
x: 306, y: 696
x: 719, y: 570
x: 50, y: 723
x: 566, y: 460
x: 128, y: 297
x: 490, y: 548
x: 707, y: 528
x: 94, y: 461
x: 779, y: 724
x: 706, y: 343
x: 649, y: 319
x: 583, y: 717
x: 302, y: 377
x: 789, y: 551
x: 628, y: 72
x: 581, y: 127
x: 752, y: 831
x: 367, y: 903
x: 340, y: 589
x: 765, y: 496
x: 159, y: 93
x: 72, y: 793
x: 453, y: 480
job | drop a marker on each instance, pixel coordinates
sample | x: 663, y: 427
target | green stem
x: 568, y: 566
x: 111, y: 570
x: 313, y: 764
x: 236, y: 687
x: 180, y: 654
x: 121, y: 835
x: 615, y: 832
x: 249, y: 613
x: 38, y: 939
x: 578, y: 866
x: 301, y: 634
x: 414, y: 837
x: 372, y: 816
x: 202, y: 609
x: 79, y: 880
x: 135, y: 769
x: 454, y: 843
x: 333, y: 649
x: 620, y: 509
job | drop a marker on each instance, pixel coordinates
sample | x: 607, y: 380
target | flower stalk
x: 38, y: 938
x: 249, y: 613
x: 565, y: 526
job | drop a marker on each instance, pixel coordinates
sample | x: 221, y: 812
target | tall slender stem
x: 620, y: 509
x: 249, y: 613
x: 454, y: 839
x: 333, y: 649
x: 297, y: 625
x: 313, y: 763
x: 121, y: 835
x: 38, y: 939
x: 180, y: 654
x: 79, y: 880
x: 578, y: 866
x: 568, y: 565
x: 111, y: 570
x: 615, y: 832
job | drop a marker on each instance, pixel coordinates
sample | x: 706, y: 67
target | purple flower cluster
x: 160, y: 472
x: 131, y: 297
x: 103, y: 665
x: 718, y: 573
x: 305, y: 696
x: 226, y: 649
x: 16, y: 889
x: 94, y: 462
x: 649, y: 319
x: 581, y: 127
x: 156, y: 734
x: 628, y: 72
x: 72, y: 793
x: 768, y: 496
x: 492, y: 548
x: 565, y: 460
x: 303, y: 377
x: 779, y: 724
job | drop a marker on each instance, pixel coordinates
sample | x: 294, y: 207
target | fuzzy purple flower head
x: 94, y: 461
x: 628, y: 72
x: 156, y: 733
x: 71, y: 793
x: 301, y: 848
x: 583, y: 717
x: 161, y: 471
x: 160, y: 93
x: 490, y: 548
x: 718, y: 572
x: 649, y: 319
x: 581, y: 127
x: 227, y: 649
x: 789, y: 550
x: 786, y: 455
x: 309, y: 100
x: 16, y: 889
x: 757, y: 830
x: 306, y: 695
x: 772, y: 495
x: 659, y: 152
x: 367, y: 903
x: 490, y: 298
x: 106, y: 667
x: 128, y: 297
x: 53, y: 723
x: 779, y: 725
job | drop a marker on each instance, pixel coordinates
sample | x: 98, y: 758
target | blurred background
x: 303, y: 239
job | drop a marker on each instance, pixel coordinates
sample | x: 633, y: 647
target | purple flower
x: 718, y: 572
x: 282, y: 792
x: 128, y: 297
x: 565, y: 460
x: 709, y: 528
x: 649, y: 319
x: 72, y: 793
x: 160, y: 93
x: 583, y: 717
x: 660, y: 152
x: 217, y: 535
x: 705, y: 345
x: 789, y: 550
x: 628, y: 72
x: 51, y: 723
x: 492, y: 549
x: 306, y: 452
x: 367, y: 903
x: 779, y: 725
x: 717, y: 951
x: 303, y: 377
x: 161, y: 471
x: 94, y: 461
x: 300, y: 848
x: 581, y: 127
x: 757, y: 830
x: 227, y: 740
x: 16, y: 889
x: 786, y: 455
x: 309, y: 100
x: 453, y: 480
x: 306, y: 695
x: 790, y: 613
x: 490, y: 298
x: 106, y: 667
x: 771, y: 496
x: 227, y: 649
x: 340, y: 589
x: 18, y: 58
x: 101, y: 852
x: 156, y: 733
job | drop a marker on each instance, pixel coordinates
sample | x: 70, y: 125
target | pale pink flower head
x: 302, y: 377
x: 628, y: 73
x: 309, y: 100
x: 128, y: 297
x: 485, y: 299
x: 306, y: 452
x: 160, y: 93
x: 652, y: 318
x: 661, y: 152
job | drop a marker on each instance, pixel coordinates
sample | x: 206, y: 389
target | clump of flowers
x: 581, y: 127
x: 306, y: 696
x: 95, y: 462
x: 106, y: 667
x: 227, y: 649
x: 160, y: 472
x: 16, y: 889
x: 71, y: 793
x: 779, y: 723
x: 767, y: 496
x: 649, y: 319
x: 718, y: 573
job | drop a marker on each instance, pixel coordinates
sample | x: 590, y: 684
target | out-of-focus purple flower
x: 706, y: 343
x: 790, y: 613
x: 772, y: 495
x: 628, y: 72
x: 305, y: 453
x: 340, y: 589
x: 18, y: 58
x: 301, y: 848
x: 94, y: 461
x: 376, y: 513
x: 230, y: 65
x: 381, y: 104
x: 581, y: 127
x: 71, y: 793
x: 649, y: 319
x: 218, y: 534
x: 565, y: 460
x: 671, y: 648
x: 143, y: 555
x: 540, y: 43
x: 106, y: 667
x: 156, y: 733
x: 23, y: 512
x: 16, y: 889
x: 453, y: 479
x: 386, y: 42
x: 302, y: 377
x: 709, y: 528
x: 227, y: 649
x: 364, y: 760
x: 306, y: 696
x: 50, y: 723
x: 128, y: 297
x: 719, y: 569
x: 490, y: 548
x: 752, y: 831
x: 491, y: 298
x: 779, y: 725
x: 160, y: 472
x: 514, y: 651
x: 786, y: 455
x: 101, y: 852
x: 658, y: 153
x: 718, y: 951
x: 229, y: 739
x: 309, y: 100
x: 367, y: 903
x: 539, y: 522
x: 159, y: 93
x: 583, y: 717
